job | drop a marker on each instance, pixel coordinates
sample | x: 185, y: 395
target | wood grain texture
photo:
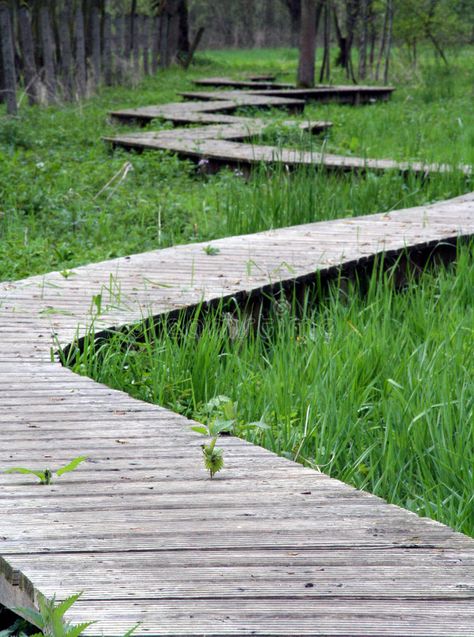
x: 266, y: 548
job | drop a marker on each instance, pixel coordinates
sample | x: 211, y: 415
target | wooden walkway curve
x: 267, y: 547
x: 219, y: 142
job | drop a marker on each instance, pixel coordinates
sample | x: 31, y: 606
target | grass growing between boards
x: 67, y: 200
x: 374, y: 389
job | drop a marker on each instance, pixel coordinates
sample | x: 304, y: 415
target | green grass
x: 55, y: 213
x: 374, y: 389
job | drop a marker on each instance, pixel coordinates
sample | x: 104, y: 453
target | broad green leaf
x: 31, y: 615
x: 218, y: 426
x: 71, y: 466
x: 200, y: 429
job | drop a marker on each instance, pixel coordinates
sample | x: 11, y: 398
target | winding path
x: 267, y: 547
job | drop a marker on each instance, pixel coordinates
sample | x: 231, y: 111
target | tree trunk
x: 145, y: 38
x: 383, y: 41
x: 389, y: 40
x: 65, y: 48
x: 164, y: 25
x: 307, y: 44
x: 8, y: 59
x: 155, y: 43
x: 28, y: 55
x: 363, y: 39
x: 294, y: 9
x: 325, y: 72
x: 183, y: 37
x: 48, y: 49
x: 136, y: 46
x: 131, y: 29
x: 173, y: 30
x: 119, y: 47
x: 95, y: 35
x: 81, y: 76
x: 107, y: 67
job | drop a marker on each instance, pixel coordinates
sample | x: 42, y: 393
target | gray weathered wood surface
x: 145, y: 114
x: 214, y: 144
x: 257, y: 83
x: 267, y: 547
x: 343, y: 94
x: 219, y: 144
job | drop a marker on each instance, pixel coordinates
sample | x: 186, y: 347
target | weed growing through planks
x: 211, y: 250
x: 213, y: 457
x: 46, y: 476
x: 49, y: 618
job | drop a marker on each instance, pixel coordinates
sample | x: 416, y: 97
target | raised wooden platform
x: 145, y: 114
x: 257, y: 83
x: 342, y: 94
x: 267, y: 547
x: 212, y: 145
x: 216, y: 145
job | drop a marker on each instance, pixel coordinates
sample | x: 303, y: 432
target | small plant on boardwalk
x: 50, y: 620
x: 211, y: 250
x: 213, y: 457
x: 46, y: 476
x: 50, y: 617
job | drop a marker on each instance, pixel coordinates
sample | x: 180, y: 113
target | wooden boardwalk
x: 343, y: 94
x: 220, y: 143
x: 257, y: 83
x: 145, y: 114
x: 211, y: 145
x: 267, y: 547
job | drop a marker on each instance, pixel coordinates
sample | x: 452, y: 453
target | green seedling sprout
x: 46, y: 476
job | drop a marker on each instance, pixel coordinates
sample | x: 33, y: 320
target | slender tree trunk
x: 383, y: 41
x: 65, y: 47
x: 28, y: 54
x: 96, y: 48
x: 373, y: 39
x: 81, y: 76
x: 307, y: 44
x: 48, y: 49
x: 325, y: 72
x: 164, y: 25
x: 389, y: 40
x: 107, y: 58
x: 155, y: 43
x: 8, y: 59
x: 363, y: 39
x: 119, y: 47
x: 145, y: 39
x: 136, y: 46
x: 173, y: 29
x: 131, y: 28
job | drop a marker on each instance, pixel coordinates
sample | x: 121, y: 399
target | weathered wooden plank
x: 251, y: 83
x: 143, y: 530
x: 220, y: 151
